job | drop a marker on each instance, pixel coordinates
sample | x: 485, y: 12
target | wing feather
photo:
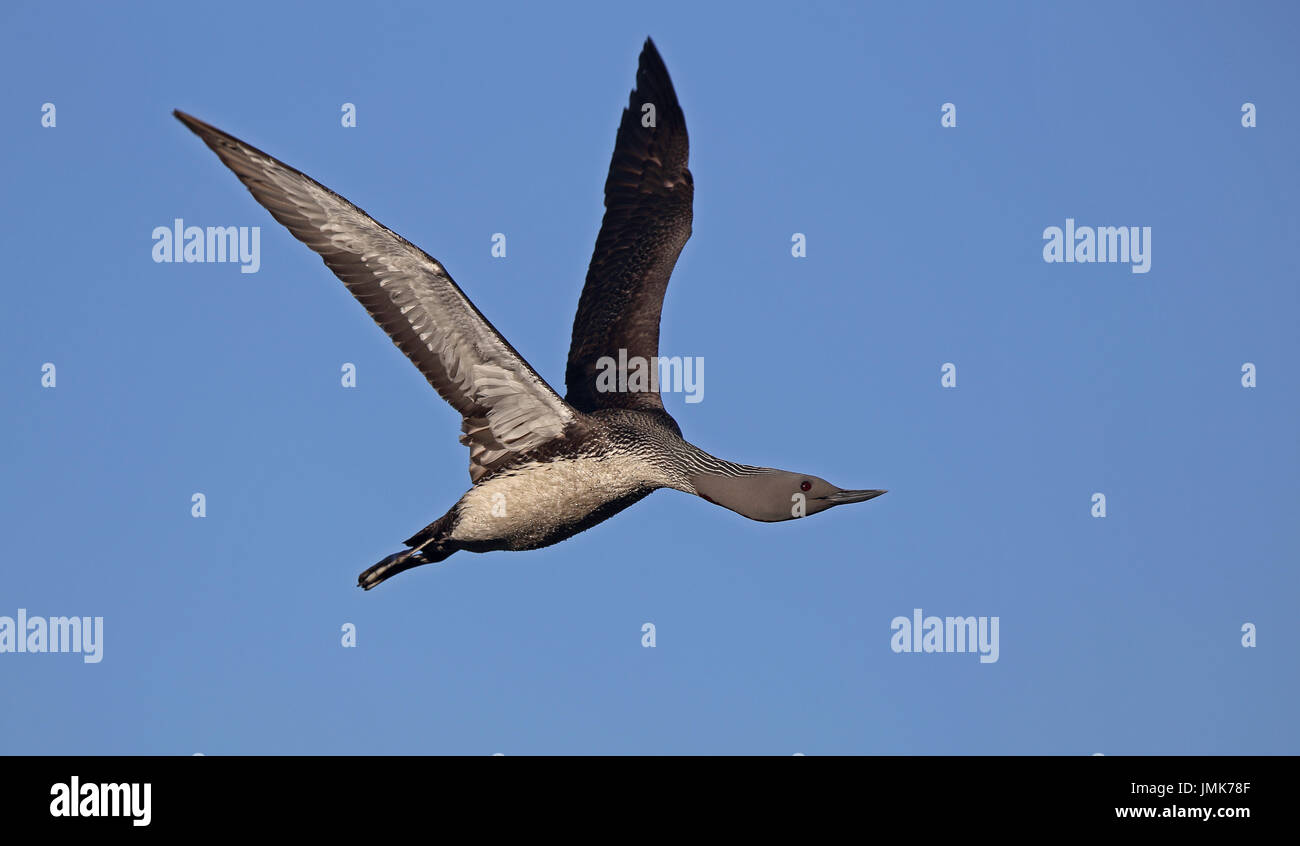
x: 507, y: 407
x: 648, y: 198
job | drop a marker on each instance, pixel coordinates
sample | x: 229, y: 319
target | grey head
x: 771, y: 496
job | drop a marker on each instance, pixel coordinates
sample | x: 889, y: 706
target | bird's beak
x: 843, y: 497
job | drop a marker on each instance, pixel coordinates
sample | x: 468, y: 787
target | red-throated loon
x: 543, y: 468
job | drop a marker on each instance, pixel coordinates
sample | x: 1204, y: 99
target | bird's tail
x: 399, y: 561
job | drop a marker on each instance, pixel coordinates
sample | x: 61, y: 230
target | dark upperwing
x: 647, y: 221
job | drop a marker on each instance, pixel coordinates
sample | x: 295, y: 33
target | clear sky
x: 222, y: 635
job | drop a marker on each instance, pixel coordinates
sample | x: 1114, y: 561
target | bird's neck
x: 718, y: 480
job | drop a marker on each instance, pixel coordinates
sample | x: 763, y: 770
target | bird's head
x: 775, y: 495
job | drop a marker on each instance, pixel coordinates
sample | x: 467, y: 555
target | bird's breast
x: 535, y: 503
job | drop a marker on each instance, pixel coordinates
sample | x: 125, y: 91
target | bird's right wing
x: 507, y: 408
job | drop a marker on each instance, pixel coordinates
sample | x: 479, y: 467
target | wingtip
x: 207, y: 131
x: 194, y: 124
x: 652, y: 72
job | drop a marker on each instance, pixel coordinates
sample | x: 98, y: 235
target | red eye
x: 805, y: 486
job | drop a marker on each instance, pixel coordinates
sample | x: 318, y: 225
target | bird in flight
x: 543, y: 468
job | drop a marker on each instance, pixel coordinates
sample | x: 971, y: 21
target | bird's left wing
x: 506, y: 407
x: 648, y: 196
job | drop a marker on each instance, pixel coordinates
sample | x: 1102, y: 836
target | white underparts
x: 527, y: 503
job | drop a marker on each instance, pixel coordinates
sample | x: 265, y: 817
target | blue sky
x: 1120, y: 635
